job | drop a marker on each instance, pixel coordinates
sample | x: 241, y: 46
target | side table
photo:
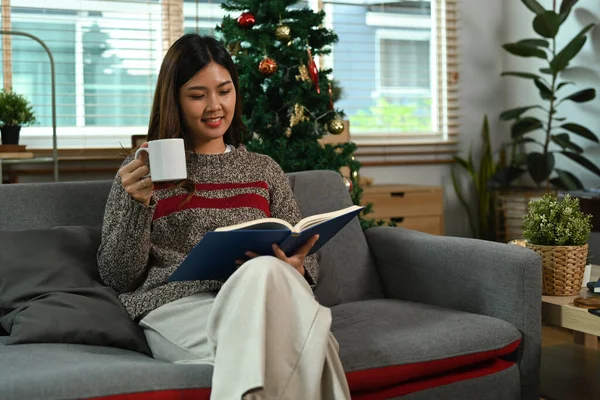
x: 571, y: 371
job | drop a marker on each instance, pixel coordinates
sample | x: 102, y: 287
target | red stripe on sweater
x: 217, y: 186
x: 181, y: 202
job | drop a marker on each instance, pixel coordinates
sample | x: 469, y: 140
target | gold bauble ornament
x: 283, y: 33
x: 336, y: 125
x: 267, y: 66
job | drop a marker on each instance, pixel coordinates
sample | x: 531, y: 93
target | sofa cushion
x: 68, y: 371
x: 386, y: 342
x: 51, y: 292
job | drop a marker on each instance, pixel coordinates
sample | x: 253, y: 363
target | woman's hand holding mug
x: 166, y: 158
x: 135, y: 179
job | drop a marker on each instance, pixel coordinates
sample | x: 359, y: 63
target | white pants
x: 264, y: 332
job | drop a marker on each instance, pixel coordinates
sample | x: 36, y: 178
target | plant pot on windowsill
x: 10, y: 134
x: 558, y: 231
x: 15, y: 111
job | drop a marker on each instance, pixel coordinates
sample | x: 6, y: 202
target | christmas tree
x: 288, y: 102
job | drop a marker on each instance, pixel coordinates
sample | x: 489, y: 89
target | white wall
x: 481, y: 88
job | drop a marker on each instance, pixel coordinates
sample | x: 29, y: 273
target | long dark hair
x: 188, y: 55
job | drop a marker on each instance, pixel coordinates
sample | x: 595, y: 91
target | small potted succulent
x: 15, y: 112
x: 559, y: 231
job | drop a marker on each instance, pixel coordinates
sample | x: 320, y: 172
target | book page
x: 307, y: 222
x: 258, y: 224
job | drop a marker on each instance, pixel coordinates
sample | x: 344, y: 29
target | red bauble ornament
x: 267, y: 66
x: 313, y: 71
x: 246, y: 20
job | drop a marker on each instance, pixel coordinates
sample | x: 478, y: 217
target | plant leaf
x: 524, y: 126
x: 563, y: 84
x: 581, y: 131
x: 525, y: 75
x: 564, y: 141
x: 570, y: 181
x: 565, y: 9
x: 462, y: 162
x: 581, y: 160
x: 462, y: 200
x: 547, y: 71
x: 582, y: 96
x: 525, y: 51
x: 562, y: 59
x: 503, y: 177
x: 547, y: 24
x: 540, y: 165
x: 534, y: 6
x: 535, y: 42
x: 515, y: 112
x: 561, y: 119
x: 545, y: 91
x: 523, y: 140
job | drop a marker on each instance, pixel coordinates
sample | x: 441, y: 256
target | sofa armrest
x: 494, y: 279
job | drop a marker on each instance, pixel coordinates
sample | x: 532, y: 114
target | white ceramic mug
x: 167, y: 159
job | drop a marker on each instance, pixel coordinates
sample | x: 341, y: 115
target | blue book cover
x: 594, y: 286
x: 213, y: 258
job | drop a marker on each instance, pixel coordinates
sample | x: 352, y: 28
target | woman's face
x: 208, y: 104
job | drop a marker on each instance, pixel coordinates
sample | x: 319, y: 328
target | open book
x: 213, y: 258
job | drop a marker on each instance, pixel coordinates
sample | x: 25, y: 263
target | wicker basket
x: 562, y: 268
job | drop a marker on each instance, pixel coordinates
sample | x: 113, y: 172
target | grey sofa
x: 420, y: 316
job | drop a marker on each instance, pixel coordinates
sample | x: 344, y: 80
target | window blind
x: 107, y: 55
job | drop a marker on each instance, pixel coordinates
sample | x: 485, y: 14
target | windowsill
x: 106, y: 137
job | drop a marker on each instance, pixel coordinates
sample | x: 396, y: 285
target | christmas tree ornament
x: 283, y: 33
x: 267, y: 66
x: 303, y: 74
x: 348, y: 184
x: 288, y: 132
x: 234, y: 48
x: 330, y: 106
x: 336, y: 125
x: 246, y: 20
x: 297, y: 115
x: 313, y: 71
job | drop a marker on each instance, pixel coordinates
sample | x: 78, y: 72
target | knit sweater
x: 142, y: 245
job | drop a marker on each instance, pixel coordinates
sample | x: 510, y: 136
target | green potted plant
x: 559, y: 231
x: 481, y: 213
x: 15, y: 112
x: 539, y: 132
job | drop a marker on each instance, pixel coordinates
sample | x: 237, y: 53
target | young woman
x: 262, y: 330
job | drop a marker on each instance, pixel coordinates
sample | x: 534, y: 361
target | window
x: 394, y: 62
x: 107, y: 55
x: 202, y: 16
